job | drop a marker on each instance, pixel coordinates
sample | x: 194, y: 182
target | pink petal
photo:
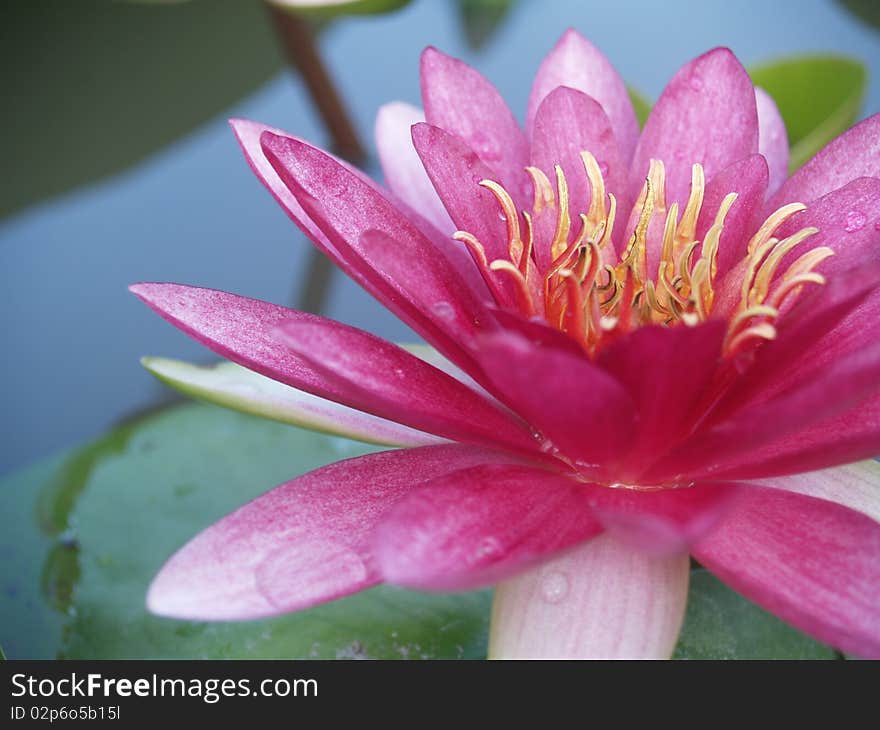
x: 813, y: 563
x: 456, y: 171
x: 382, y: 378
x: 856, y: 486
x: 475, y: 526
x: 579, y: 410
x: 847, y: 219
x: 772, y: 139
x: 567, y: 123
x: 662, y: 521
x: 403, y: 170
x: 707, y: 114
x: 302, y: 543
x: 856, y: 153
x: 460, y: 100
x: 683, y: 364
x: 578, y: 64
x: 602, y: 600
x: 344, y: 207
x: 243, y: 330
x: 748, y: 179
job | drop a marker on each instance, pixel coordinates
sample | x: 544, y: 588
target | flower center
x: 663, y: 276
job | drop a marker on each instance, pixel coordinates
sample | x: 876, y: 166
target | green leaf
x: 122, y: 81
x: 866, y: 10
x: 819, y: 98
x: 327, y: 9
x: 480, y: 19
x: 640, y: 104
x: 108, y: 516
x: 721, y: 624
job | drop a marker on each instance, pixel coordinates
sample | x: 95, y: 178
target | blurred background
x: 118, y: 164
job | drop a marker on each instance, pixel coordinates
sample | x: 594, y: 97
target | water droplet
x: 696, y: 82
x: 486, y: 147
x: 855, y: 221
x: 443, y: 310
x: 399, y: 372
x: 877, y: 226
x: 603, y: 169
x: 488, y: 548
x: 502, y: 217
x: 679, y: 155
x: 554, y: 586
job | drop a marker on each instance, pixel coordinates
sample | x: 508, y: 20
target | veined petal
x: 601, y: 600
x: 772, y: 139
x: 855, y: 153
x: 856, y: 486
x: 302, y: 543
x: 403, y: 170
x: 462, y: 101
x: 382, y: 378
x: 244, y: 331
x: 813, y: 563
x: 580, y: 411
x: 233, y: 386
x: 707, y: 114
x: 343, y: 206
x: 472, y: 527
x: 578, y: 64
x: 567, y: 123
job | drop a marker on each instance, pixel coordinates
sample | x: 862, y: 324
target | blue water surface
x: 72, y: 334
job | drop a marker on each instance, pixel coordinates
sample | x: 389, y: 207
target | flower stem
x: 602, y: 600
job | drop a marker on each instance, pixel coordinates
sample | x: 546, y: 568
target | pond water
x: 193, y: 213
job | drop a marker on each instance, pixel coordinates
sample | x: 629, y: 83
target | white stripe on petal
x: 240, y: 389
x: 602, y: 600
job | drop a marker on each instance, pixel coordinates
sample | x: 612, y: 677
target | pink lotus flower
x: 653, y: 346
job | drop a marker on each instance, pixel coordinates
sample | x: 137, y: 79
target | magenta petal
x: 404, y: 174
x: 707, y: 114
x: 382, y: 378
x: 578, y: 409
x: 475, y: 526
x: 813, y: 563
x: 855, y: 153
x: 772, y: 139
x: 460, y: 100
x: 683, y: 363
x: 748, y: 179
x: 578, y: 64
x: 302, y: 543
x: 567, y: 123
x: 344, y: 207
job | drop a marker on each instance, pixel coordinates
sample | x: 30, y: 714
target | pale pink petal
x: 567, y: 123
x: 578, y: 64
x: 813, y: 563
x: 707, y: 114
x: 404, y: 174
x: 382, y: 378
x: 601, y: 600
x: 856, y: 486
x: 772, y: 139
x: 576, y: 408
x: 233, y: 386
x: 473, y: 527
x: 856, y: 153
x: 460, y: 100
x: 302, y: 543
x: 244, y: 330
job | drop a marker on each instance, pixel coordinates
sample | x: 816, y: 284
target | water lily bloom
x: 644, y: 346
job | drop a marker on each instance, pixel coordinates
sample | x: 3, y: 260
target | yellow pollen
x: 589, y: 292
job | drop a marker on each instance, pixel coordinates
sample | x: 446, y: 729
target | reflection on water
x: 193, y: 213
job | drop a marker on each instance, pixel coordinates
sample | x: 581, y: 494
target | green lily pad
x: 327, y: 9
x: 480, y: 19
x: 79, y: 111
x: 640, y: 104
x: 87, y: 532
x: 819, y: 98
x: 721, y: 624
